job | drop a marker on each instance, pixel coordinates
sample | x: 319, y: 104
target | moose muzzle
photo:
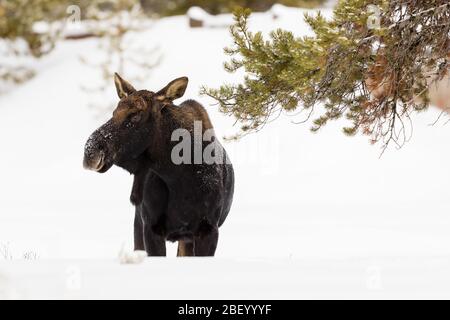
x: 95, y: 153
x: 94, y: 161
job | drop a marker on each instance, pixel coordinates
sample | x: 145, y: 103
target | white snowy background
x: 314, y: 215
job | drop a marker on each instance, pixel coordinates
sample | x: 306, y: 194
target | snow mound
x: 200, y: 18
x: 131, y: 257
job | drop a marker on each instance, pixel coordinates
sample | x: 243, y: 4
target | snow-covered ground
x: 315, y: 216
x: 237, y: 278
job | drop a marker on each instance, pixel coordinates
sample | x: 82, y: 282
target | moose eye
x: 136, y: 118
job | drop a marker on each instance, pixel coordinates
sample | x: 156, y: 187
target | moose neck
x: 160, y: 149
x: 157, y: 156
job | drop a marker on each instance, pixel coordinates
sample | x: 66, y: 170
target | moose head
x: 128, y: 134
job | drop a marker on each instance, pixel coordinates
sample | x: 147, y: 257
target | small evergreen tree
x: 373, y: 64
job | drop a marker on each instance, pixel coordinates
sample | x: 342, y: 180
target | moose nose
x: 94, y: 161
x: 94, y: 155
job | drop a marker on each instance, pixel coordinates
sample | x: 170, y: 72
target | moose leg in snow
x: 138, y: 230
x: 205, y: 245
x: 185, y: 249
x: 155, y: 245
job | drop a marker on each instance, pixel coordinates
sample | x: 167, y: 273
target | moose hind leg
x: 185, y: 248
x: 205, y: 244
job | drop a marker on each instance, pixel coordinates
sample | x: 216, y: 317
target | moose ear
x: 124, y: 89
x: 174, y: 90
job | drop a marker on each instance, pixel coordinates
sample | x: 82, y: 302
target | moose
x: 184, y: 202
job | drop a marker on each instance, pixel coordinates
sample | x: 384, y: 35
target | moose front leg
x: 138, y: 230
x: 155, y: 245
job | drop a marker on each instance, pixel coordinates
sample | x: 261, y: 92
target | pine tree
x: 372, y: 63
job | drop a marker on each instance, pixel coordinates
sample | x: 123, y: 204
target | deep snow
x: 315, y: 215
x: 238, y: 278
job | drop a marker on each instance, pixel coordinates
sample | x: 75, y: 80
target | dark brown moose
x: 185, y: 202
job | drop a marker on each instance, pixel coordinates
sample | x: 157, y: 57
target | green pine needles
x: 372, y: 64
